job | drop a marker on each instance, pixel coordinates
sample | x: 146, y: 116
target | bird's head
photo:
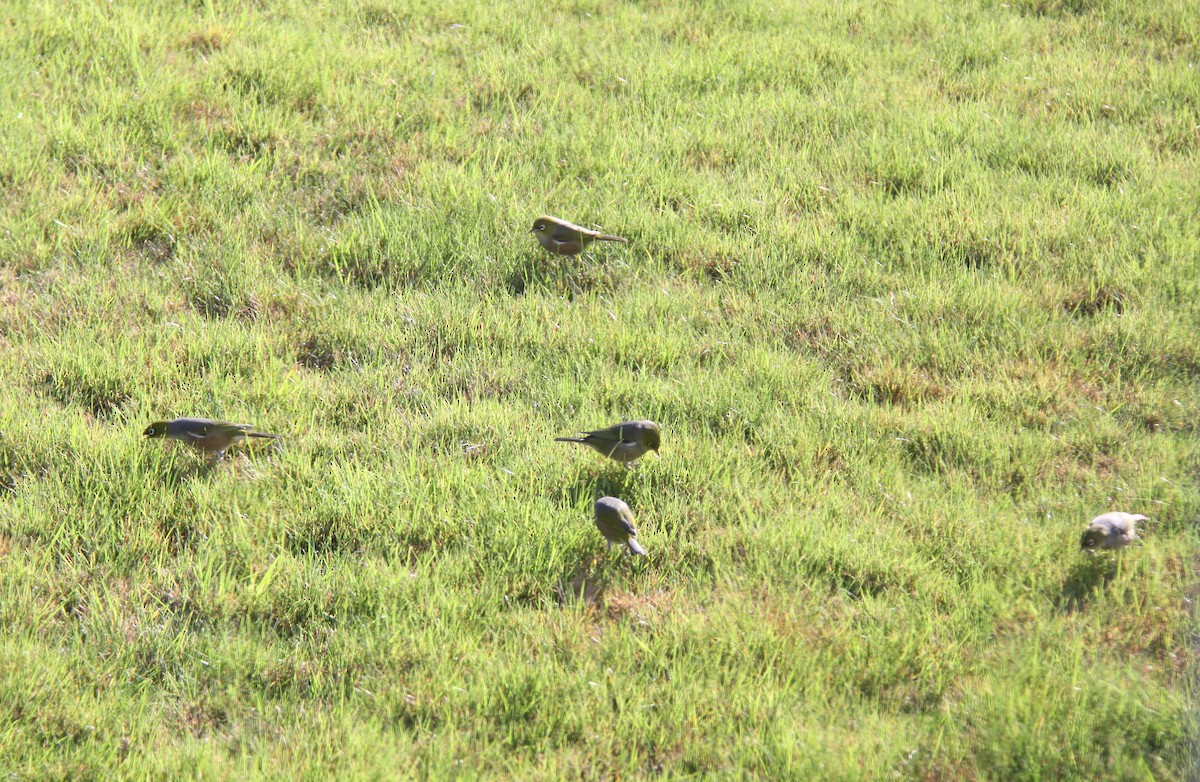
x: 1092, y: 538
x: 156, y: 429
x: 543, y: 225
x: 651, y: 436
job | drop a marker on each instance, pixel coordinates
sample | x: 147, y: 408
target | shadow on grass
x: 1089, y: 575
x: 586, y: 582
x: 593, y: 568
x: 566, y: 277
x: 187, y: 467
x: 594, y: 483
x: 602, y: 478
x: 580, y: 585
x: 180, y: 470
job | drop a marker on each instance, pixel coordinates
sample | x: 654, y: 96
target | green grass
x: 913, y: 289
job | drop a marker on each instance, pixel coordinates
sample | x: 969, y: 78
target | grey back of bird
x: 614, y: 519
x: 625, y: 442
x: 1111, y: 531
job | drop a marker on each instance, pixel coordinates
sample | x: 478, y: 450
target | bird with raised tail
x: 1111, y: 531
x: 615, y: 522
x: 624, y: 442
x: 212, y: 437
x: 563, y: 238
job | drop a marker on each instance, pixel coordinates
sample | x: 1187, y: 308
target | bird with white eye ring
x: 564, y: 238
x: 208, y: 435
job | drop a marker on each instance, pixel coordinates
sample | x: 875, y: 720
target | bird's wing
x: 618, y: 515
x: 621, y: 433
x: 573, y: 247
x: 201, y: 429
x: 196, y: 428
x: 567, y: 232
x: 1109, y: 525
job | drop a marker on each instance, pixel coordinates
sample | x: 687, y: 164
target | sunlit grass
x: 912, y: 291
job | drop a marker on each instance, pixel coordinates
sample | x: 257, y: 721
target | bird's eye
x: 540, y: 227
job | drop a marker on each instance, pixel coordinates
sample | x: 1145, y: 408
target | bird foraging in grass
x: 563, y: 238
x: 1111, y: 531
x: 624, y: 442
x: 615, y: 522
x: 212, y: 437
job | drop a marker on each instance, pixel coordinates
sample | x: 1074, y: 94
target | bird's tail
x: 611, y: 238
x: 636, y: 548
x: 569, y: 439
x: 263, y: 434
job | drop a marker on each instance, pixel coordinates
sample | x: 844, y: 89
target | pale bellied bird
x: 1111, y: 531
x: 563, y: 238
x: 615, y: 522
x: 624, y: 442
x: 212, y: 437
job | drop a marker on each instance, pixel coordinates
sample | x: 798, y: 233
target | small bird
x: 625, y: 442
x: 1111, y: 531
x: 563, y: 238
x: 615, y: 522
x: 212, y: 437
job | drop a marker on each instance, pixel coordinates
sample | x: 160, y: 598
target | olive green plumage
x: 624, y: 442
x: 563, y: 238
x: 615, y: 522
x: 212, y: 437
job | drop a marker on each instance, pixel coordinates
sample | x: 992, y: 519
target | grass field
x: 912, y: 288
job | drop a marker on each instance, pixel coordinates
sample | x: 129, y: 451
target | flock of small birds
x: 625, y: 442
